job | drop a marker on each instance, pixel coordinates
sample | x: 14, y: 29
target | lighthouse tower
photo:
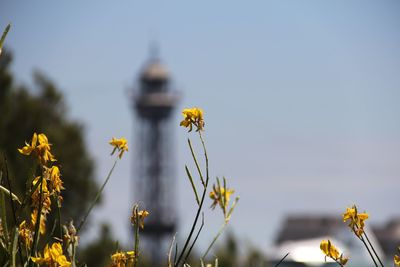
x: 153, y: 103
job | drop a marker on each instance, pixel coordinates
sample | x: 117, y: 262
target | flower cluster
x: 122, y: 259
x: 332, y: 252
x: 221, y: 196
x: 356, y: 220
x: 137, y: 217
x: 53, y: 256
x: 193, y: 116
x: 119, y: 144
x: 45, y: 187
x: 39, y: 146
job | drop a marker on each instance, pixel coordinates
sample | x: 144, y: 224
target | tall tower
x: 154, y: 103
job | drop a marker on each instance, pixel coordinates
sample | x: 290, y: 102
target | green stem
x: 3, y: 212
x: 12, y: 206
x: 196, y: 162
x: 96, y: 198
x: 189, y: 175
x: 3, y: 36
x: 59, y: 217
x: 37, y: 226
x: 170, y: 251
x: 195, y: 239
x: 200, y: 205
x: 284, y: 257
x: 13, y: 196
x: 369, y: 251
x: 221, y: 230
x: 376, y: 254
x: 136, y: 242
x: 14, y: 247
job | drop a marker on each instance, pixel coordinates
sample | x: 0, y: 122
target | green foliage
x: 24, y: 111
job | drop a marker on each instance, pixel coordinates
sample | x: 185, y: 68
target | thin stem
x: 206, y: 157
x: 196, y: 162
x: 284, y: 257
x: 11, y: 200
x: 200, y: 205
x: 376, y: 254
x: 136, y: 240
x: 195, y: 239
x: 189, y: 175
x: 193, y: 227
x: 369, y: 251
x: 37, y: 226
x: 3, y: 36
x: 3, y: 212
x: 338, y: 262
x: 59, y: 217
x: 96, y: 198
x: 170, y: 251
x: 221, y: 230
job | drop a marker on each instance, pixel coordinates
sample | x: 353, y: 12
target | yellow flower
x: 54, y: 176
x: 53, y: 257
x: 332, y: 252
x: 221, y: 196
x: 25, y: 234
x: 46, y: 201
x: 396, y: 260
x: 193, y: 116
x: 42, y: 227
x: 138, y: 216
x: 120, y: 144
x: 42, y: 150
x: 121, y: 259
x: 356, y: 219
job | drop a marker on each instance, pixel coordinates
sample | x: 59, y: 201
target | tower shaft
x: 154, y: 162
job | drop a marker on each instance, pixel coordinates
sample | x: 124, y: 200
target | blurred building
x: 388, y: 236
x: 300, y: 235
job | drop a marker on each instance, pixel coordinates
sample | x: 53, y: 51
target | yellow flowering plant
x: 332, y: 252
x: 119, y: 144
x: 53, y: 257
x: 123, y: 259
x: 44, y: 194
x: 194, y: 117
x: 137, y: 220
x: 27, y: 244
x: 356, y: 223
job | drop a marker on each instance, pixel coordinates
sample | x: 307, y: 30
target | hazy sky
x: 301, y: 98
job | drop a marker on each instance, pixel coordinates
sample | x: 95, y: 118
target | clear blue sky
x: 301, y: 98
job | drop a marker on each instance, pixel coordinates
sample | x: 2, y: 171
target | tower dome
x: 154, y: 71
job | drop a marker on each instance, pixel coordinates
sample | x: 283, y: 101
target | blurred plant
x: 123, y: 259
